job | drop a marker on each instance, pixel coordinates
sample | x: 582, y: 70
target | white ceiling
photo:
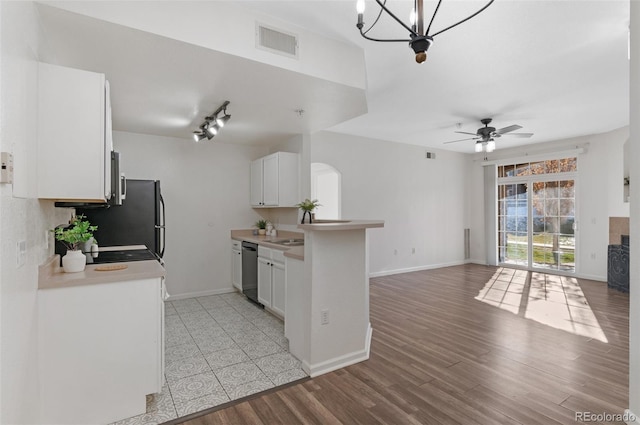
x: 557, y: 68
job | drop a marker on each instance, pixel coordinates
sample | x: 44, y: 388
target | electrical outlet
x: 21, y: 253
x: 413, y: 250
x: 593, y: 255
x: 324, y: 317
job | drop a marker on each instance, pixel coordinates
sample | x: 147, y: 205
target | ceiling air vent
x: 276, y: 41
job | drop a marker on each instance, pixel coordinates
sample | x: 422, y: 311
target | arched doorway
x: 326, y: 184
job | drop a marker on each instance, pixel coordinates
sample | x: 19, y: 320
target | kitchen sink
x: 289, y: 242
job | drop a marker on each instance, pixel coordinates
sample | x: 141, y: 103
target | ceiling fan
x: 485, y: 135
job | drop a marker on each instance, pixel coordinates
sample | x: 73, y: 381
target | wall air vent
x: 276, y: 41
x: 430, y: 155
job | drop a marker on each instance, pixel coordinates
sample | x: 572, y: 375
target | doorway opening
x: 326, y: 187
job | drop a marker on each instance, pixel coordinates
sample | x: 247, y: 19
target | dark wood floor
x: 439, y: 355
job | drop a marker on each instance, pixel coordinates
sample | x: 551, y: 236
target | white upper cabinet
x: 74, y: 135
x: 274, y: 180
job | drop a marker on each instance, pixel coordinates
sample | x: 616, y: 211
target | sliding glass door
x: 536, y: 215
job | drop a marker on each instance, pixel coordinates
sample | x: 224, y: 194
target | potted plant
x: 79, y: 232
x: 262, y: 226
x: 307, y: 206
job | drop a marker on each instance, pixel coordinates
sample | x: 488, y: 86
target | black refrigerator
x: 138, y: 221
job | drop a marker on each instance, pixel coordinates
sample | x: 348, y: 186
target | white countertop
x: 51, y: 275
x: 341, y: 225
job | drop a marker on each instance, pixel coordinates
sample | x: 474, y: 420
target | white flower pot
x: 74, y: 261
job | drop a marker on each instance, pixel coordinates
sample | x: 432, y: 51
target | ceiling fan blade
x: 464, y: 132
x: 508, y: 129
x: 461, y: 140
x: 521, y: 135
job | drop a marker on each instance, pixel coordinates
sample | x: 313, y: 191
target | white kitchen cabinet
x: 264, y: 281
x: 271, y: 279
x: 74, y: 135
x: 278, y: 292
x: 274, y: 180
x: 236, y: 264
x: 101, y: 350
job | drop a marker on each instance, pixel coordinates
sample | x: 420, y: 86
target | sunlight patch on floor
x: 504, y: 290
x: 555, y: 301
x: 559, y: 302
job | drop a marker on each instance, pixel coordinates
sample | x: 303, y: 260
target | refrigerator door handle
x: 162, y: 227
x: 123, y: 186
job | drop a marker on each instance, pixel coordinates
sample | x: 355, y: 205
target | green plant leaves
x: 80, y: 232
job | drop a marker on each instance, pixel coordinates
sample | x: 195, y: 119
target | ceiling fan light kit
x: 212, y: 124
x: 419, y: 39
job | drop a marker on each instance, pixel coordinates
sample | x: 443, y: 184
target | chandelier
x: 419, y: 39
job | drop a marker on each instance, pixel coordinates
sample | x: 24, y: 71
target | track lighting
x: 213, y: 123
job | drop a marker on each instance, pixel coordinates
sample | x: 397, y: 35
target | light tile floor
x: 217, y: 348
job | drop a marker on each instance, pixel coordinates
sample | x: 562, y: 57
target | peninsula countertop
x: 51, y: 276
x: 333, y: 225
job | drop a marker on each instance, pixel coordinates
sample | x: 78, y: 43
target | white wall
x: 230, y: 28
x: 21, y: 216
x: 421, y: 200
x: 634, y: 169
x: 600, y: 195
x: 206, y: 190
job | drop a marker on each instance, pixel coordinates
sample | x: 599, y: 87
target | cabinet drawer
x: 237, y: 245
x: 264, y: 252
x: 277, y: 256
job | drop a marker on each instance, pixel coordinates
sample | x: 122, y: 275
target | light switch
x: 6, y: 167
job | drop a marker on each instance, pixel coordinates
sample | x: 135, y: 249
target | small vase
x: 74, y: 261
x: 304, y: 214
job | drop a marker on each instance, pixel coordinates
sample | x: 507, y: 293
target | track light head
x: 198, y: 136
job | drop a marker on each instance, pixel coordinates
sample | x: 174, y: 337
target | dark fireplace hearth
x: 618, y: 265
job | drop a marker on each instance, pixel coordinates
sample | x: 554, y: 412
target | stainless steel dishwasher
x: 250, y: 271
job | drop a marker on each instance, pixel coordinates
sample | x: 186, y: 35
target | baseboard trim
x: 416, y: 269
x: 202, y: 293
x: 341, y: 361
x: 630, y: 418
x: 591, y: 277
x: 482, y: 263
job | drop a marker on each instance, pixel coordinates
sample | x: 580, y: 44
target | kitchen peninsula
x: 327, y: 320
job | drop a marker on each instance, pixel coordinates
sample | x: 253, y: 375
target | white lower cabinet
x: 236, y: 265
x: 264, y: 281
x: 271, y: 280
x: 101, y: 350
x: 278, y: 288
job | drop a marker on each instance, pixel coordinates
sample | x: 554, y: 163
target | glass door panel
x: 513, y: 221
x: 553, y: 238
